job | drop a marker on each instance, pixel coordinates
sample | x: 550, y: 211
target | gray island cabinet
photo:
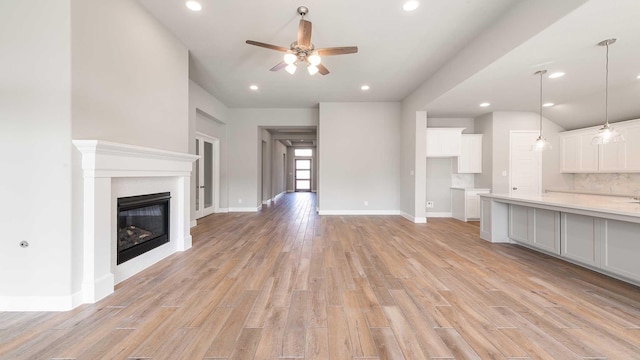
x: 598, y: 232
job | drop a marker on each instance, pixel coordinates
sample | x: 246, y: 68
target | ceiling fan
x: 303, y: 51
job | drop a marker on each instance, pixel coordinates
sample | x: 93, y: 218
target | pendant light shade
x: 607, y: 134
x: 541, y: 143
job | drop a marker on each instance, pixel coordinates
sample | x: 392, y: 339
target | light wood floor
x: 287, y: 283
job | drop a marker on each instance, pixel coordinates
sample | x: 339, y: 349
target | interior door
x: 524, y: 164
x: 207, y: 176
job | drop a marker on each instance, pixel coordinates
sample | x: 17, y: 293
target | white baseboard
x: 40, y: 303
x: 289, y: 191
x: 194, y: 223
x: 223, y: 210
x: 314, y: 191
x: 413, y: 219
x: 277, y: 196
x: 245, y: 209
x: 439, y: 215
x: 359, y: 212
x: 266, y: 202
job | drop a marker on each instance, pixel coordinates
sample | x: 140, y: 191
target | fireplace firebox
x: 143, y: 224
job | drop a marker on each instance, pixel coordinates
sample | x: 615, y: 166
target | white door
x: 524, y: 163
x: 207, y: 175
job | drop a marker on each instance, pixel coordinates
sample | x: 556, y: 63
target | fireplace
x: 143, y: 224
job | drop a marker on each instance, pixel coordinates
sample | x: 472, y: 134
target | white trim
x: 194, y: 223
x: 266, y: 202
x: 439, y: 215
x: 103, y: 161
x: 245, y: 209
x: 215, y: 142
x: 416, y: 220
x: 223, y: 210
x: 40, y: 303
x: 359, y: 212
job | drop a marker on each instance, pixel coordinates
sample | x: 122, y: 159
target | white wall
x: 360, y: 159
x: 244, y: 153
x: 35, y: 152
x: 502, y: 123
x: 209, y: 116
x: 279, y: 169
x: 130, y: 77
x: 484, y: 125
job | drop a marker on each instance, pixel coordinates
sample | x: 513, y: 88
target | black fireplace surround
x: 143, y: 224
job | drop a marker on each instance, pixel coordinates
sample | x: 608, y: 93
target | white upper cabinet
x: 470, y: 159
x: 578, y: 155
x: 444, y: 142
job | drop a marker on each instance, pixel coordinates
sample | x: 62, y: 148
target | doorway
x: 207, y: 175
x: 303, y: 175
x: 524, y: 163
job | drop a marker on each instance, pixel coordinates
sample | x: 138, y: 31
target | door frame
x: 202, y: 212
x: 295, y: 174
x: 538, y: 154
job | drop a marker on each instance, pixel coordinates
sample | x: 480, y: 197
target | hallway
x: 287, y: 283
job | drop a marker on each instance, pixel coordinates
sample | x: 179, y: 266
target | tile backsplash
x: 608, y: 183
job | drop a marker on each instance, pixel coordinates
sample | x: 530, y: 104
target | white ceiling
x: 398, y: 51
x: 569, y: 45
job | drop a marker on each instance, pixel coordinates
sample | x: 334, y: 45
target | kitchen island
x: 595, y: 231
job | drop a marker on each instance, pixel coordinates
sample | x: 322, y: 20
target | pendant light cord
x: 541, y: 74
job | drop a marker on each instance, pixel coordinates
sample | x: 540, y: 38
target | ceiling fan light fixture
x: 290, y: 58
x: 193, y: 5
x: 314, y: 59
x: 607, y: 134
x: 410, y: 5
x: 291, y: 68
x: 312, y: 69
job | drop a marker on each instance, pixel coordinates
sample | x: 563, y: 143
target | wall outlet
x: 366, y: 203
x: 430, y: 204
x: 239, y: 201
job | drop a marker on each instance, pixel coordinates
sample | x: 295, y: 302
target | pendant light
x: 541, y: 143
x: 607, y: 134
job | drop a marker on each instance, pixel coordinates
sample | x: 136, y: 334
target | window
x: 303, y: 152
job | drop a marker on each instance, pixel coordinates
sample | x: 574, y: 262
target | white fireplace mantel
x: 103, y: 161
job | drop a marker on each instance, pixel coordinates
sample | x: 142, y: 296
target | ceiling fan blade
x: 280, y: 65
x: 268, y: 46
x: 338, y: 50
x: 322, y: 69
x: 304, y: 33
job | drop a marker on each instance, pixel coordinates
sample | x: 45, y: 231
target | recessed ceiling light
x: 485, y: 104
x: 410, y: 5
x: 549, y: 104
x: 365, y: 87
x: 253, y: 87
x: 194, y: 5
x: 556, y: 75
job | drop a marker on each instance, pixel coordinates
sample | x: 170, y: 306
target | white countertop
x: 595, y: 203
x: 469, y: 188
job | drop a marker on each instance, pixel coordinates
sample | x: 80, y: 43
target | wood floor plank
x: 293, y: 344
x: 385, y: 340
x: 286, y: 283
x: 317, y: 344
x: 225, y: 341
x: 339, y: 340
